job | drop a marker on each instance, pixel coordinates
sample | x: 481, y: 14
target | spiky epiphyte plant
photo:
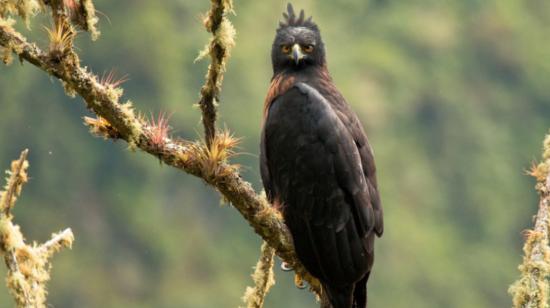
x: 538, y: 171
x: 222, y: 147
x: 110, y: 80
x: 159, y: 129
x: 112, y: 83
x: 61, y: 40
x: 101, y: 127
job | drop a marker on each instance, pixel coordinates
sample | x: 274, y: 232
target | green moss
x: 546, y: 154
x: 263, y: 278
x: 91, y: 18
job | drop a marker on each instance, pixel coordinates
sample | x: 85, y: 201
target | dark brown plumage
x: 318, y: 167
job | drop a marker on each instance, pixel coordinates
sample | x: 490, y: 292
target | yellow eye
x: 308, y: 48
x: 285, y: 48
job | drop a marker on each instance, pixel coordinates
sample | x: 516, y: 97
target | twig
x: 219, y: 50
x: 263, y: 277
x: 12, y: 190
x: 28, y: 266
x: 58, y: 241
x: 532, y: 289
x: 119, y: 121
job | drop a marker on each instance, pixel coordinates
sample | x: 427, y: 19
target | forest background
x: 454, y: 96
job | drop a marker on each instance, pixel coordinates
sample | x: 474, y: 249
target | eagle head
x: 297, y: 44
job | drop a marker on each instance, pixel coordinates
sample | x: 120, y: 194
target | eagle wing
x: 311, y: 164
x: 350, y: 120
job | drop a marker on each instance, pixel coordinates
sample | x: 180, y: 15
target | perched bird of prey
x: 317, y: 166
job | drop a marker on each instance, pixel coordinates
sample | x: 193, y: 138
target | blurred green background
x: 454, y: 95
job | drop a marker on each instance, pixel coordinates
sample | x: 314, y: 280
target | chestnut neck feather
x: 315, y: 76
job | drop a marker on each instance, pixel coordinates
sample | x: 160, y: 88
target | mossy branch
x: 219, y: 49
x: 206, y: 160
x: 263, y: 277
x: 532, y: 289
x: 28, y: 265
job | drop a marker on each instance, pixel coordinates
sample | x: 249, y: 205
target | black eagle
x: 317, y: 166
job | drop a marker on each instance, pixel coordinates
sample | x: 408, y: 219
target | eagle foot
x: 299, y: 282
x: 285, y: 267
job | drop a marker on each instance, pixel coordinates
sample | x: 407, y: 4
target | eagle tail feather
x: 340, y: 297
x: 350, y: 296
x: 360, y: 293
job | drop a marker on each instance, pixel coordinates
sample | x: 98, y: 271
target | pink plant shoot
x: 159, y: 128
x: 109, y: 79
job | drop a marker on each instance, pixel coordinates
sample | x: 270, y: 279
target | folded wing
x: 313, y: 165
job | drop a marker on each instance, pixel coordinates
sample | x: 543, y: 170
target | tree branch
x: 12, y: 190
x: 263, y: 277
x: 219, y: 50
x: 28, y: 266
x: 206, y: 161
x: 532, y: 289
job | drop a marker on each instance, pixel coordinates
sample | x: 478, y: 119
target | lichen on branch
x: 219, y: 49
x: 263, y: 277
x: 23, y: 8
x: 28, y: 265
x: 532, y: 289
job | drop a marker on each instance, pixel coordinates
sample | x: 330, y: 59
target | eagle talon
x: 285, y: 267
x: 299, y: 282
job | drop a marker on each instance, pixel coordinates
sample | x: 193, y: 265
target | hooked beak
x: 297, y: 54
